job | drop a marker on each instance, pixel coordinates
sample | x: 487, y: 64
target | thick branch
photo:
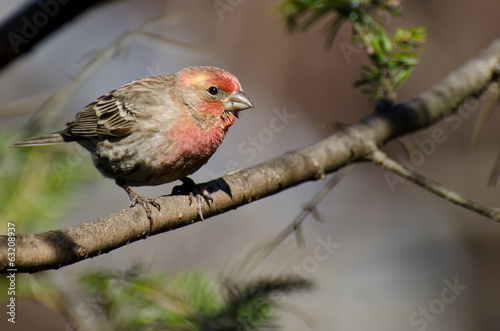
x: 35, y: 21
x: 62, y: 247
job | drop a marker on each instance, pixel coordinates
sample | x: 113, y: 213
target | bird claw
x: 143, y: 201
x: 197, y: 194
x: 194, y: 191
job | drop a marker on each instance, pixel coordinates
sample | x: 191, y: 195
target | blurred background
x: 401, y: 258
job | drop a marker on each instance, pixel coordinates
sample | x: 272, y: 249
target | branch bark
x: 380, y: 158
x: 35, y: 252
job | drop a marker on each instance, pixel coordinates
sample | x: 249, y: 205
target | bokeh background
x: 395, y: 249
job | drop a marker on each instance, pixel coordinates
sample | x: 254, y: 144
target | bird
x: 155, y: 130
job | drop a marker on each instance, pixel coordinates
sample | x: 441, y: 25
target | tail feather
x: 46, y: 139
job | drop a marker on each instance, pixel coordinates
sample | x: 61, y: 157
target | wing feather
x: 106, y: 116
x: 116, y: 113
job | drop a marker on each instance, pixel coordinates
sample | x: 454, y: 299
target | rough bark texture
x: 58, y: 248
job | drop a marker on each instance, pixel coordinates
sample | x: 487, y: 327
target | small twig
x: 295, y: 225
x: 492, y: 181
x: 485, y: 113
x: 24, y: 106
x: 380, y: 158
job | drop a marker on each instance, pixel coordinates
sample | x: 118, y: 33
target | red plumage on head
x: 225, y: 81
x: 207, y: 76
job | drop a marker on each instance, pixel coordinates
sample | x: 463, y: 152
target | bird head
x: 213, y: 94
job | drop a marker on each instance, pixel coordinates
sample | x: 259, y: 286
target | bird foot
x: 143, y: 201
x: 195, y: 192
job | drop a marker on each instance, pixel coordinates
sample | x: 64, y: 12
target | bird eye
x: 213, y: 90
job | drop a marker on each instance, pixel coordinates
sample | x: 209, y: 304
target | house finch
x: 155, y: 130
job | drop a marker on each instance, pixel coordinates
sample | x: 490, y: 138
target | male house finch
x: 155, y: 130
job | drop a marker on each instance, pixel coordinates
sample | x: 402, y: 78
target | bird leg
x: 143, y: 201
x: 195, y: 191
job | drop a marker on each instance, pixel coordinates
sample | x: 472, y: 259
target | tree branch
x: 58, y: 248
x: 35, y: 21
x: 294, y: 227
x: 380, y: 158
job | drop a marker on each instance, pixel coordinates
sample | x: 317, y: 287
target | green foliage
x: 38, y: 183
x: 302, y: 14
x: 37, y: 189
x: 391, y: 59
x: 249, y: 306
x: 133, y: 302
x: 184, y: 301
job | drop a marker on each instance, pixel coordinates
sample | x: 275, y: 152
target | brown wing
x: 106, y: 116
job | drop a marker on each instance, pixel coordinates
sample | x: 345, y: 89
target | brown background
x: 397, y: 248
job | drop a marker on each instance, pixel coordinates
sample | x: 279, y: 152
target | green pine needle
x: 187, y: 301
x: 392, y: 59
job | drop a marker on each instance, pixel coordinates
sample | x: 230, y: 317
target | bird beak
x: 237, y: 101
